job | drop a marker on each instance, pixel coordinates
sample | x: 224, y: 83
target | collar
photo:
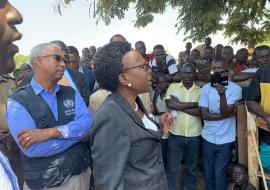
x: 127, y: 108
x: 194, y: 86
x: 80, y: 69
x: 38, y: 88
x: 5, y: 77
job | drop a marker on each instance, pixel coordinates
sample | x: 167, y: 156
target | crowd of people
x: 118, y: 118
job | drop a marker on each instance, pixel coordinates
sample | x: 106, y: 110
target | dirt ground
x: 199, y: 185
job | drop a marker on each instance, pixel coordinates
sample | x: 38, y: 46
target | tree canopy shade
x: 244, y: 21
x: 21, y: 59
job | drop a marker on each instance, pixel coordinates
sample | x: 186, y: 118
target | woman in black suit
x: 125, y: 141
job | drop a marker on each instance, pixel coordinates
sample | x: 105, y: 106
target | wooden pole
x: 253, y: 166
x: 259, y: 159
x: 242, y: 135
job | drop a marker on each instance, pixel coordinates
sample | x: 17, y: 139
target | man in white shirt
x: 163, y: 63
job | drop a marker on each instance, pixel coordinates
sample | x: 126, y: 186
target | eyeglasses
x: 145, y: 67
x: 57, y: 58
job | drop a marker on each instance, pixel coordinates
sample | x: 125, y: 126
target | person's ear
x: 123, y: 79
x: 37, y: 61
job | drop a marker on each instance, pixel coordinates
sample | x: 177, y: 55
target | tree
x: 20, y: 59
x: 244, y: 21
x: 267, y: 43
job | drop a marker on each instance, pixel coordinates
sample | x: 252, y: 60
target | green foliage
x: 248, y: 21
x: 244, y: 21
x: 20, y: 59
x: 267, y: 43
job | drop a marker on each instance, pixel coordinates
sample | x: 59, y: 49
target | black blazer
x: 126, y: 155
x: 81, y: 84
x: 89, y: 76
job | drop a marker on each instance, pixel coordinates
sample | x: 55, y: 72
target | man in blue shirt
x: 74, y: 79
x: 49, y: 123
x: 217, y: 104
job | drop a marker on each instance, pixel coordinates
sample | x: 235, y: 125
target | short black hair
x: 221, y: 59
x: 242, y: 49
x: 219, y: 45
x: 108, y: 64
x: 86, y: 48
x: 73, y: 50
x: 208, y: 39
x: 118, y: 36
x: 190, y: 65
x: 61, y: 44
x: 242, y: 167
x: 26, y: 66
x: 197, y: 51
x: 260, y: 48
x: 139, y: 42
x: 159, y: 46
x: 93, y: 47
x: 210, y: 48
x: 228, y: 47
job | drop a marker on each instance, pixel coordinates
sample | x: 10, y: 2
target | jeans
x: 164, y: 144
x: 215, y: 161
x: 179, y: 146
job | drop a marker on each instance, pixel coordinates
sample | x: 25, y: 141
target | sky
x: 75, y: 27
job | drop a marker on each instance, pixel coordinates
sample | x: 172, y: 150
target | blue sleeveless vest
x: 46, y: 172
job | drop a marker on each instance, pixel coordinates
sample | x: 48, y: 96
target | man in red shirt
x: 241, y: 60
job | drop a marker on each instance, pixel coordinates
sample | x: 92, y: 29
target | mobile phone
x: 220, y: 78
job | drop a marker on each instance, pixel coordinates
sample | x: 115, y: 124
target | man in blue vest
x: 49, y: 123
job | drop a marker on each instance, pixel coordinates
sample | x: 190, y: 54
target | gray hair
x: 38, y: 50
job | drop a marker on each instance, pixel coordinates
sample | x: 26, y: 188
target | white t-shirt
x: 149, y: 124
x: 172, y: 68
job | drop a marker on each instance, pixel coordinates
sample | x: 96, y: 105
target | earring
x: 129, y: 84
